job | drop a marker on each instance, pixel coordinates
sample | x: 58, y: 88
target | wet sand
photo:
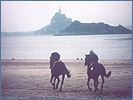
x: 29, y: 79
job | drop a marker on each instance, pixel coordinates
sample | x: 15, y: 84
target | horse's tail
x: 108, y: 75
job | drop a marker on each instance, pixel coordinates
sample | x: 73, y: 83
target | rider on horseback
x: 55, y: 57
x: 93, y: 59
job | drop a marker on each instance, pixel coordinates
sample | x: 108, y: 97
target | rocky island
x: 78, y: 28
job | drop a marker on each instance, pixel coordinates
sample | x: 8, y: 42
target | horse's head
x: 51, y: 62
x: 86, y: 60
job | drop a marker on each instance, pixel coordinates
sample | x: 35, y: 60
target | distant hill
x: 78, y: 28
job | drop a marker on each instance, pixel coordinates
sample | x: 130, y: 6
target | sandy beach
x: 29, y: 79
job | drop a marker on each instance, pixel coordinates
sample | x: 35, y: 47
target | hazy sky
x: 33, y: 15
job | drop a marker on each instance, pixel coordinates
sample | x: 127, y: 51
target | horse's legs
x: 88, y: 84
x: 96, y: 84
x: 54, y: 83
x: 63, y: 76
x: 57, y: 82
x: 102, y: 83
x: 51, y: 79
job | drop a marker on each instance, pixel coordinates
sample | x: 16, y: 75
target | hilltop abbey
x: 58, y: 22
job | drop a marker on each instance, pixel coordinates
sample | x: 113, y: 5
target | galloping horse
x: 95, y: 73
x: 58, y: 68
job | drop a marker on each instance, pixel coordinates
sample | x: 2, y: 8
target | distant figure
x: 57, y: 68
x: 13, y: 58
x: 77, y: 58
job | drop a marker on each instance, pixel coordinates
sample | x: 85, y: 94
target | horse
x: 58, y: 69
x: 98, y: 70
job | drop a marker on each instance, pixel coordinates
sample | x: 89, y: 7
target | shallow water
x: 118, y: 46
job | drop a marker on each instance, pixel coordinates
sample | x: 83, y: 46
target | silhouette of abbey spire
x: 59, y: 10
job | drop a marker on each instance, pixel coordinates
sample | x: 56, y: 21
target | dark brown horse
x: 57, y: 70
x: 98, y: 70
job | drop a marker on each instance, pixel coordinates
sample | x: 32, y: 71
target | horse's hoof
x: 97, y: 89
x: 68, y: 76
x: 52, y: 83
x: 56, y: 88
x: 90, y: 89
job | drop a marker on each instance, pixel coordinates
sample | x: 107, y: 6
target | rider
x: 55, y: 57
x: 93, y: 59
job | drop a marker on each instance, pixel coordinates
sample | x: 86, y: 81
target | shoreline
x: 13, y: 59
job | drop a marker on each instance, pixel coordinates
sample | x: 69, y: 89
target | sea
x: 113, y: 46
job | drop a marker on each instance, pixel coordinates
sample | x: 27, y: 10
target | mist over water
x: 118, y: 46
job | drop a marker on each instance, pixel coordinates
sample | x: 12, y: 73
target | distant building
x: 58, y: 22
